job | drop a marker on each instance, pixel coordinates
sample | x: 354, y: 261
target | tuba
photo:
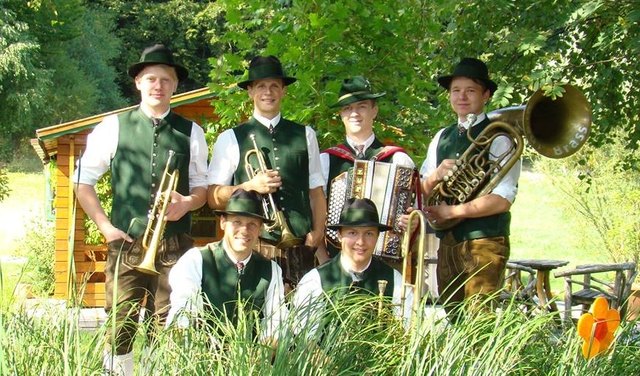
x: 155, y: 227
x: 555, y: 128
x: 271, y: 210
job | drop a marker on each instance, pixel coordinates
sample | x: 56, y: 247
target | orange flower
x: 597, y: 327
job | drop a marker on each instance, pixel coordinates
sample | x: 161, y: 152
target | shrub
x: 601, y: 187
x: 38, y: 246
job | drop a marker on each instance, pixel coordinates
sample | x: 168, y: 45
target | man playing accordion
x: 358, y: 110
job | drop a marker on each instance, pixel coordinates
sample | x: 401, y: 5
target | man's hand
x: 403, y: 221
x: 179, y: 205
x: 112, y: 233
x: 440, y: 213
x: 264, y: 182
x: 444, y: 168
x: 314, y: 238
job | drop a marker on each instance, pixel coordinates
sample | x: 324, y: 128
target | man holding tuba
x: 473, y: 252
x: 279, y: 159
x: 139, y: 146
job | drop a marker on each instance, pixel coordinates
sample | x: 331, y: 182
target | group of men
x: 135, y: 146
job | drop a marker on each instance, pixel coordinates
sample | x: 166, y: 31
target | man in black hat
x: 135, y: 146
x: 358, y: 108
x: 473, y: 254
x: 292, y: 175
x: 210, y: 279
x: 354, y: 267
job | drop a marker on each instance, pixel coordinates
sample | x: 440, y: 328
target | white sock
x: 120, y: 365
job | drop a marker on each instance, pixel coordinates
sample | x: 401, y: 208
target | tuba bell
x: 157, y: 221
x: 555, y: 128
x: 271, y: 210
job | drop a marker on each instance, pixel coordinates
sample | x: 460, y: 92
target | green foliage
x: 22, y: 96
x: 54, y: 66
x: 103, y: 190
x: 175, y: 23
x: 605, y: 196
x: 404, y: 46
x: 38, y: 246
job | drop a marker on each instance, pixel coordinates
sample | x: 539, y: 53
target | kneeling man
x: 213, y: 278
x: 354, y: 268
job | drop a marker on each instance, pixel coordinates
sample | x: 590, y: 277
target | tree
x: 175, y: 23
x: 403, y: 46
x: 21, y: 95
x: 55, y: 66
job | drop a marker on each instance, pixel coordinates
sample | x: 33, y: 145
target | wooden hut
x: 63, y: 144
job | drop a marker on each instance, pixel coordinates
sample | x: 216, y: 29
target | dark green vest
x: 334, y: 278
x: 285, y: 151
x: 451, y: 146
x: 138, y: 165
x: 222, y: 285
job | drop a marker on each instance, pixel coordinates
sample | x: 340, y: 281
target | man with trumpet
x: 473, y: 253
x: 279, y: 159
x: 139, y: 146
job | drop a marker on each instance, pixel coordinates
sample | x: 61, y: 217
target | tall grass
x: 353, y: 340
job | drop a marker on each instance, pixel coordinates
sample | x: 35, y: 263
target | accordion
x: 390, y: 186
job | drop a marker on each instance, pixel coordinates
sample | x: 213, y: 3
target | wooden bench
x: 595, y: 282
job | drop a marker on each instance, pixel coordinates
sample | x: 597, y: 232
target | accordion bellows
x: 389, y: 186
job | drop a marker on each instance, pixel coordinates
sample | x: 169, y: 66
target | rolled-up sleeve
x: 102, y: 143
x: 275, y: 310
x: 224, y: 160
x: 508, y: 186
x: 315, y: 169
x: 198, y: 158
x: 185, y: 280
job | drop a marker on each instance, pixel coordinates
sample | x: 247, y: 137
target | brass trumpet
x: 271, y: 210
x: 157, y: 220
x: 418, y: 286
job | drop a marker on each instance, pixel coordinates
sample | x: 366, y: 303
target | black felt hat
x: 359, y: 212
x: 262, y: 67
x: 245, y: 203
x: 154, y: 55
x: 471, y: 68
x: 355, y: 89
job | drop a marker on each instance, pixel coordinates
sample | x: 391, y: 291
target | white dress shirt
x: 102, y: 144
x: 226, y: 155
x: 506, y: 188
x: 185, y: 280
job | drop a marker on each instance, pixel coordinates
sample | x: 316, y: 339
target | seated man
x: 354, y: 268
x: 210, y: 279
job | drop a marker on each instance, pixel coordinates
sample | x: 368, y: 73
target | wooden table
x: 543, y: 287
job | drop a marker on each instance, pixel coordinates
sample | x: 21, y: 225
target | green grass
x: 541, y: 229
x: 25, y: 202
x: 354, y: 340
